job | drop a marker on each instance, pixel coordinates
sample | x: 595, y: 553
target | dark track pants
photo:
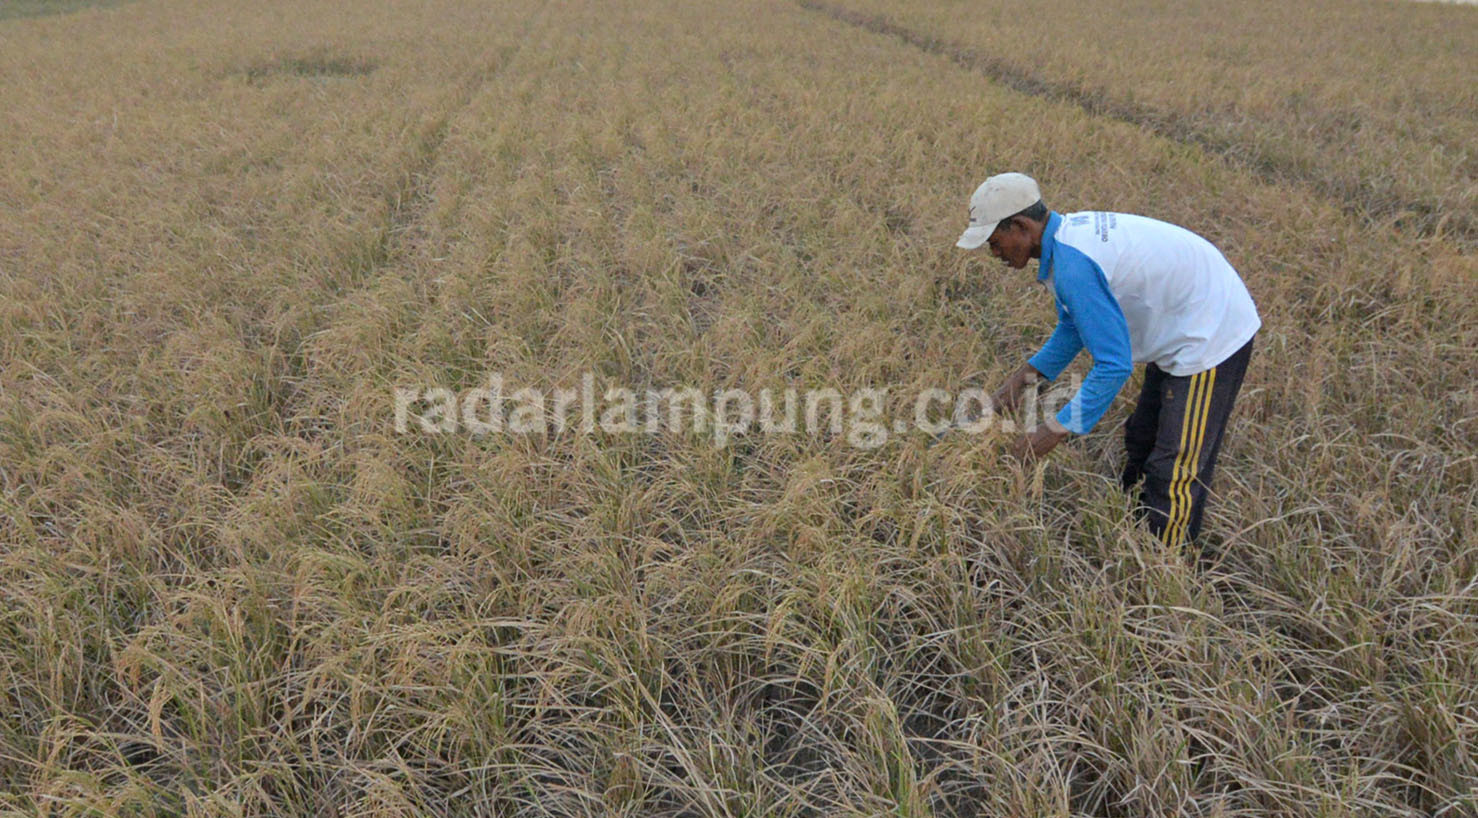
x: 1172, y: 440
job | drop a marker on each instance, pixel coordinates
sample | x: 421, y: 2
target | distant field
x: 1369, y: 103
x: 11, y: 9
x: 228, y: 586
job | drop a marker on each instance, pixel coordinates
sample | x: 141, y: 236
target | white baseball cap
x: 1002, y: 195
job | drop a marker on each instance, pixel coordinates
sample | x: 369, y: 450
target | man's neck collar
x: 1049, y: 243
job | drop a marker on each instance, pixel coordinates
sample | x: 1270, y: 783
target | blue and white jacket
x: 1132, y: 289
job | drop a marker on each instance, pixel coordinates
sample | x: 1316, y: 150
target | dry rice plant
x: 229, y: 587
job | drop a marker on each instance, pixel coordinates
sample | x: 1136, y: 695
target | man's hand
x: 1038, y: 441
x: 1008, y: 397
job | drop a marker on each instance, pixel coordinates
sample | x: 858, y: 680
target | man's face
x: 1011, y: 243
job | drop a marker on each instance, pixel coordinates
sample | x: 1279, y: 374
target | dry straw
x: 228, y: 587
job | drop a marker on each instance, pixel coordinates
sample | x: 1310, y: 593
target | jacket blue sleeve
x: 1083, y: 293
x: 1060, y: 349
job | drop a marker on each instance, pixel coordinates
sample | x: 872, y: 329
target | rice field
x: 229, y: 233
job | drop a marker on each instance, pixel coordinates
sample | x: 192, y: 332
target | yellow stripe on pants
x: 1198, y: 410
x: 1209, y: 389
x: 1172, y: 515
x: 1193, y: 457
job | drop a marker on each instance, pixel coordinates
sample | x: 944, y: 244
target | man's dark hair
x: 1036, y: 213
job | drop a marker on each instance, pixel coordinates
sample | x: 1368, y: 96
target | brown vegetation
x: 228, y: 587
